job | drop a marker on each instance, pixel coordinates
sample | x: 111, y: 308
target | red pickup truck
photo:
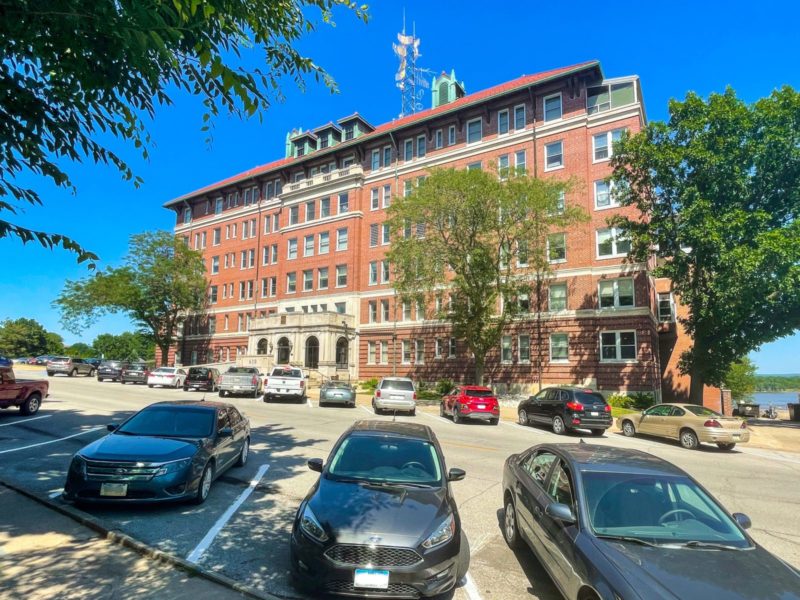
x: 27, y: 394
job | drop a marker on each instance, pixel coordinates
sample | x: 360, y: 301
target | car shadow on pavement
x: 705, y: 447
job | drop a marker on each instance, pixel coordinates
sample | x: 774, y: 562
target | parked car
x: 26, y: 394
x: 381, y: 519
x: 95, y: 362
x: 202, y: 378
x: 285, y: 382
x: 166, y: 451
x: 567, y: 408
x: 690, y: 424
x: 135, y: 373
x: 337, y: 392
x: 241, y: 380
x: 69, y: 366
x: 471, y: 402
x: 619, y: 523
x: 395, y: 393
x: 167, y: 377
x: 6, y: 362
x: 40, y: 360
x: 22, y: 360
x: 111, y: 369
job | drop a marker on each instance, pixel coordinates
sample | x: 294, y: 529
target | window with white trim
x: 384, y: 271
x: 406, y: 358
x: 273, y: 254
x: 373, y: 272
x: 341, y: 239
x: 324, y: 242
x: 666, y: 307
x: 324, y: 208
x: 552, y: 107
x: 524, y: 348
x: 452, y: 348
x: 557, y: 297
x: 384, y: 353
x: 617, y: 345
x: 291, y: 282
x: 291, y: 250
x: 502, y: 166
x: 385, y: 315
x: 554, y: 155
x: 373, y: 234
x: 214, y: 265
x: 385, y: 236
x: 502, y: 122
x: 294, y: 215
x: 604, y: 195
x: 603, y: 144
x: 519, y: 162
x: 187, y: 215
x: 341, y: 275
x: 308, y: 245
x: 559, y: 347
x: 419, y: 355
x: 376, y: 160
x: 611, y: 243
x: 387, y: 156
x: 308, y: 280
x: 322, y: 278
x: 421, y: 146
x: 439, y: 138
x: 519, y: 117
x: 406, y: 311
x: 387, y: 195
x: 374, y: 200
x: 474, y: 130
x: 216, y: 236
x: 344, y: 203
x: 438, y: 347
x: 370, y: 353
x: 311, y: 210
x: 557, y: 247
x: 506, y: 353
x: 372, y: 311
x: 408, y: 150
x: 203, y: 240
x: 616, y: 293
x: 451, y: 135
x: 218, y: 205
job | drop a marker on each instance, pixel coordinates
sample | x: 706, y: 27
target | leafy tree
x: 460, y: 234
x: 718, y: 189
x: 777, y: 383
x: 125, y: 346
x: 161, y: 281
x: 80, y: 350
x: 23, y: 337
x: 741, y: 379
x: 54, y: 343
x: 74, y: 70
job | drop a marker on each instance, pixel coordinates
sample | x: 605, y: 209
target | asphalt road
x: 252, y: 546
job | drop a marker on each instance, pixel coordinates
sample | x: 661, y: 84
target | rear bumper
x: 199, y: 385
x: 389, y: 404
x: 716, y: 435
x: 589, y: 422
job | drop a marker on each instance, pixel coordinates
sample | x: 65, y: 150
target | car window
x: 234, y: 416
x: 660, y: 410
x: 702, y: 411
x: 222, y: 420
x: 677, y: 411
x: 537, y: 465
x: 560, y: 487
x: 386, y: 459
x: 589, y: 398
x: 564, y: 396
x: 552, y: 395
x: 479, y: 393
x: 397, y: 384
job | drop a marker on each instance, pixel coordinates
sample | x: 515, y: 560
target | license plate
x: 481, y: 406
x: 237, y: 387
x: 371, y: 579
x: 337, y: 395
x: 396, y: 397
x: 114, y: 489
x: 594, y: 413
x: 736, y: 436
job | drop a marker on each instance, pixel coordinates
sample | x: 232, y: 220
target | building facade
x: 295, y: 249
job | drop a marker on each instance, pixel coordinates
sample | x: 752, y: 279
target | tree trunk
x: 480, y: 363
x: 696, y: 387
x: 164, y: 355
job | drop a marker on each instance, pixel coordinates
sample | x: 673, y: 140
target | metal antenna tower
x: 409, y: 77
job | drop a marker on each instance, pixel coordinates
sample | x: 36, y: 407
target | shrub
x: 443, y: 386
x: 369, y: 385
x: 641, y: 400
x: 620, y: 401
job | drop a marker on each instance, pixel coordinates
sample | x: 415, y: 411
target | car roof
x: 396, y: 379
x: 596, y: 458
x: 398, y: 428
x: 208, y: 404
x: 475, y: 387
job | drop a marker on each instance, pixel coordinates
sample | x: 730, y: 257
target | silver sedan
x: 337, y: 392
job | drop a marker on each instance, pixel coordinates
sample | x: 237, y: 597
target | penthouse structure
x: 295, y: 249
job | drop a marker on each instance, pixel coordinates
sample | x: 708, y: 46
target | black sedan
x: 135, y: 373
x: 381, y: 519
x: 337, y: 392
x: 166, y: 451
x: 617, y: 524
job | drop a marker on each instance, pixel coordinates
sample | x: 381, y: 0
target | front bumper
x: 435, y: 574
x: 163, y: 488
x: 108, y: 375
x: 717, y: 435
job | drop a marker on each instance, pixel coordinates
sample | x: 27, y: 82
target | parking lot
x: 250, y: 543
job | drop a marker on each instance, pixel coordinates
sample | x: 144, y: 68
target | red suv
x: 471, y: 402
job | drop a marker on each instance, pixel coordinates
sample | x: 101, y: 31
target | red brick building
x: 295, y: 249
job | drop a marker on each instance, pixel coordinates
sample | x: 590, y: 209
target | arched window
x: 444, y: 96
x: 312, y: 353
x: 262, y: 346
x: 342, y: 353
x: 284, y: 350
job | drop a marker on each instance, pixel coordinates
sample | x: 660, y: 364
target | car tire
x: 441, y: 409
x: 628, y: 430
x: 522, y: 418
x: 31, y: 404
x: 413, y: 412
x: 204, y: 486
x: 463, y: 559
x: 494, y: 421
x: 457, y: 418
x: 510, y: 525
x: 73, y: 372
x: 598, y: 432
x: 559, y: 428
x: 689, y: 439
x: 149, y: 385
x: 49, y: 373
x: 728, y: 446
x: 91, y: 373
x: 222, y: 393
x: 244, y: 453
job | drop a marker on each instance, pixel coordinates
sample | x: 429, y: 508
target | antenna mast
x: 409, y: 78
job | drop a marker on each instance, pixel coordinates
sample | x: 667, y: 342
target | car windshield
x: 163, y: 370
x: 137, y: 367
x: 286, y: 373
x: 659, y: 509
x: 170, y: 421
x: 702, y: 411
x: 382, y: 459
x: 589, y: 398
x: 111, y: 363
x: 338, y: 384
x: 248, y: 370
x: 59, y: 359
x: 479, y: 393
x: 198, y: 372
x: 397, y: 384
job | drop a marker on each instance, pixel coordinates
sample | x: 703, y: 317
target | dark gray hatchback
x: 614, y: 523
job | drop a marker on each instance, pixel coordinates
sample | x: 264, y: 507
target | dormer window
x: 349, y: 132
x: 187, y: 215
x: 323, y: 142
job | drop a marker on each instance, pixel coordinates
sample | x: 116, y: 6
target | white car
x: 167, y: 377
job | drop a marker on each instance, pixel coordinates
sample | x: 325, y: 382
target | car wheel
x: 441, y: 409
x: 598, y: 432
x: 204, y: 487
x: 91, y: 373
x: 510, y: 530
x: 726, y: 445
x: 99, y: 379
x: 463, y: 559
x: 522, y: 417
x: 457, y: 418
x: 689, y: 439
x: 222, y: 393
x: 413, y: 412
x: 149, y: 385
x: 245, y: 452
x: 628, y: 429
x: 494, y: 421
x: 73, y: 372
x: 49, y: 373
x: 558, y: 425
x: 31, y: 405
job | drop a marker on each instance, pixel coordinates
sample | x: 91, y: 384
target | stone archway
x: 342, y: 353
x: 262, y: 347
x: 284, y: 351
x: 312, y: 353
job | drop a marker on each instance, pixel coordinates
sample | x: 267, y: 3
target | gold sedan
x: 688, y: 423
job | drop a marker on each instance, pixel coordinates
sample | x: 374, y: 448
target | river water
x: 779, y: 399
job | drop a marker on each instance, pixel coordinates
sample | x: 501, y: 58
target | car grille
x: 395, y: 590
x: 379, y: 556
x: 100, y: 470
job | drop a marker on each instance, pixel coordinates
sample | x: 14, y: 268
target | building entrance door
x: 284, y: 351
x: 312, y: 353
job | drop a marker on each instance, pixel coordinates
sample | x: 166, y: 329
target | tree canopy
x: 27, y: 337
x: 125, y: 346
x: 741, y: 379
x: 77, y: 72
x: 718, y: 189
x: 160, y: 282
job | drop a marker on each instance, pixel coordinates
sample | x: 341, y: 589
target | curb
x: 144, y: 549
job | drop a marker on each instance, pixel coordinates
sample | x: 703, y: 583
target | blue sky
x: 674, y: 48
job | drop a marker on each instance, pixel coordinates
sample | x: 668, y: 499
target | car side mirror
x: 225, y: 432
x: 743, y: 520
x: 456, y: 474
x: 561, y: 512
x: 112, y: 426
x: 315, y: 464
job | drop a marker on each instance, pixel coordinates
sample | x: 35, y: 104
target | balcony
x: 321, y: 180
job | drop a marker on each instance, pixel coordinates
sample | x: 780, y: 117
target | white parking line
x: 23, y: 420
x: 51, y: 441
x: 470, y: 588
x: 195, y: 554
x: 436, y: 417
x: 55, y: 494
x: 364, y: 408
x: 308, y: 401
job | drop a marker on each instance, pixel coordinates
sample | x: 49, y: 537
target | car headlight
x: 311, y: 525
x: 78, y: 465
x: 443, y: 533
x: 174, y: 467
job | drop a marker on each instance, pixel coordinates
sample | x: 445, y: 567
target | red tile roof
x: 514, y: 84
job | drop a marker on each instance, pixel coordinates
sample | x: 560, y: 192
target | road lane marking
x: 308, y: 401
x: 51, y: 441
x: 23, y: 420
x: 437, y: 417
x: 366, y: 409
x: 470, y: 588
x: 195, y: 555
x: 55, y: 494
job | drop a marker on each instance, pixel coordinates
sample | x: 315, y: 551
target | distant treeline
x: 777, y: 383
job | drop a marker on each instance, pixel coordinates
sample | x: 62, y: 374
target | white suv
x: 395, y: 393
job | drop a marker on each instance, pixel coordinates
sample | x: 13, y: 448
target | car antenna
x: 394, y: 415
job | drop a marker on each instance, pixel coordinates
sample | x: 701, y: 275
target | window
x: 419, y: 355
x: 451, y: 135
x: 247, y: 197
x: 384, y: 271
x: 519, y: 162
x: 341, y: 239
x: 372, y: 311
x: 308, y: 245
x: 374, y: 199
x: 244, y: 230
x: 408, y: 150
x: 605, y: 97
x: 408, y: 186
x: 557, y: 299
x: 311, y: 210
x: 341, y: 275
x: 505, y: 349
x: 560, y: 204
x: 203, y: 240
x: 370, y: 353
x: 385, y: 316
x: 275, y: 223
x: 611, y: 243
x: 250, y: 290
x: 266, y: 227
x: 273, y: 253
x: 559, y: 347
x: 502, y: 122
x: 557, y: 247
x: 373, y: 272
x: 616, y: 293
x: 524, y: 348
x: 553, y: 156
x: 406, y: 359
x: 502, y: 166
x: 264, y: 287
x: 251, y: 258
x: 519, y: 117
x: 253, y: 225
x: 212, y: 294
x: 294, y: 215
x: 376, y: 160
x: 406, y: 308
x: 552, y: 107
x: 349, y: 132
x: 475, y: 166
x: 420, y: 146
x: 438, y: 347
x: 291, y: 252
x: 243, y: 260
x: 384, y: 353
x: 604, y: 195
x: 216, y: 235
x: 323, y: 142
x: 324, y: 242
x: 187, y: 215
x: 452, y: 348
x: 344, y: 203
x: 291, y: 282
x: 348, y: 161
x: 474, y: 131
x: 666, y: 308
x: 617, y: 345
x: 603, y: 144
x: 439, y: 138
x: 387, y: 156
x: 308, y: 280
x: 385, y: 234
x: 322, y: 278
x: 324, y: 208
x: 218, y: 205
x: 214, y: 265
x: 387, y: 196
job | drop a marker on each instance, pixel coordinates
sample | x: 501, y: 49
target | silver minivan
x: 395, y: 393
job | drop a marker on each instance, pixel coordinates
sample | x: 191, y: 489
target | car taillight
x: 744, y: 425
x: 607, y: 408
x: 575, y: 406
x: 377, y: 393
x: 266, y: 380
x: 302, y: 384
x: 414, y: 396
x: 712, y: 423
x: 255, y: 380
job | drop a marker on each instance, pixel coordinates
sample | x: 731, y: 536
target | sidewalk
x: 44, y: 554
